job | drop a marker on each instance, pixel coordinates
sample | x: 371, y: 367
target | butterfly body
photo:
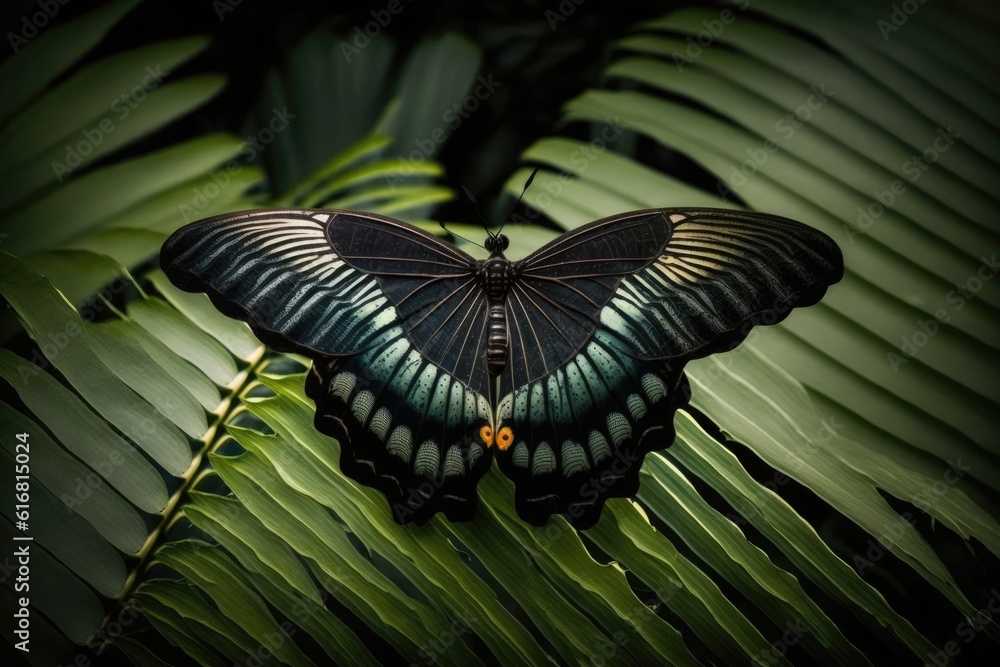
x: 565, y: 366
x: 496, y: 275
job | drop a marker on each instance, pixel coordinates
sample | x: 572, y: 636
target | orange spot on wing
x: 505, y: 437
x: 486, y: 435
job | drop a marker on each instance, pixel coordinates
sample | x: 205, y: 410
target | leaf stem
x: 213, y: 438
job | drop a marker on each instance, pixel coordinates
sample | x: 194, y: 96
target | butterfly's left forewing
x: 617, y: 308
x: 376, y: 304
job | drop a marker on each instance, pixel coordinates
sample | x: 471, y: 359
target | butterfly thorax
x: 496, y: 275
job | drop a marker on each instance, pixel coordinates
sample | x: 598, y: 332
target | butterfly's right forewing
x: 277, y: 271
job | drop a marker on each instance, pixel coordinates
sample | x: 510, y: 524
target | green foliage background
x: 831, y: 499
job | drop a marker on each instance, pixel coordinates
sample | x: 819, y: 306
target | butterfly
x: 566, y: 367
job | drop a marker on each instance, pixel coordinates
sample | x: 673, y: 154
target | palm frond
x: 176, y: 469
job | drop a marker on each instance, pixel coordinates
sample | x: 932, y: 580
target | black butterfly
x: 566, y: 365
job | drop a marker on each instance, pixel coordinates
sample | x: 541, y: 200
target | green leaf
x: 116, y: 128
x: 184, y: 338
x: 134, y: 366
x: 137, y: 651
x: 128, y: 247
x: 233, y: 334
x: 78, y: 274
x: 250, y: 541
x: 215, y: 573
x: 194, y: 623
x: 629, y: 623
x: 317, y: 76
x: 67, y: 602
x: 717, y: 541
x: 99, y: 196
x: 789, y: 532
x: 54, y: 51
x: 81, y: 101
x: 70, y: 539
x: 208, y: 192
x: 678, y: 582
x: 363, y: 150
x: 79, y: 488
x: 313, y: 470
x: 434, y: 86
x: 64, y: 340
x: 188, y: 376
x: 944, y: 490
x: 313, y: 533
x: 776, y: 436
x: 85, y: 434
x: 277, y: 574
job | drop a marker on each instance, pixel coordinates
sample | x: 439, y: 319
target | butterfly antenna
x: 445, y: 228
x: 514, y: 208
x: 475, y: 207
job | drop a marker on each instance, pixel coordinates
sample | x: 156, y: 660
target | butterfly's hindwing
x: 579, y: 434
x: 405, y: 427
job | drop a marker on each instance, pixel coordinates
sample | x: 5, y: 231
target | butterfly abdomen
x: 496, y: 342
x: 496, y: 274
